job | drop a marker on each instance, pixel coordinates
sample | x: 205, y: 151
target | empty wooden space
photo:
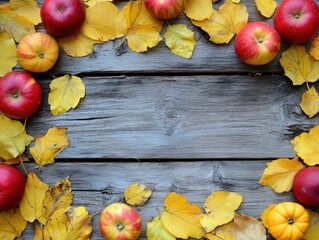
x: 192, y: 126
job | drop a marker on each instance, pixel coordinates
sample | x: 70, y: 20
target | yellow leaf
x: 137, y: 194
x: 299, y: 66
x: 65, y: 93
x: 38, y: 233
x: 12, y: 224
x: 104, y: 22
x: 27, y: 8
x: 224, y: 23
x: 314, y: 48
x: 306, y: 146
x: 91, y: 3
x: 220, y: 209
x: 310, y: 102
x: 31, y: 205
x: 78, y: 45
x: 264, y: 215
x: 181, y: 218
x: 56, y: 226
x: 17, y: 160
x: 8, y: 56
x: 266, y: 7
x: 180, y: 40
x: 226, y: 231
x: 249, y: 228
x: 60, y: 196
x: 198, y: 10
x: 13, y: 138
x: 143, y: 30
x: 16, y: 25
x: 280, y: 173
x: 48, y: 146
x: 313, y: 231
x: 156, y: 230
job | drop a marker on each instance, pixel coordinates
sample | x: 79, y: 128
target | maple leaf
x: 266, y: 7
x: 248, y: 228
x: 12, y: 224
x: 143, y: 30
x: 180, y: 40
x: 314, y: 48
x: 13, y: 138
x: 48, y: 146
x: 15, y: 25
x: 137, y: 194
x: 310, y: 102
x: 156, y: 230
x: 31, y: 205
x: 181, y: 218
x: 298, y: 65
x: 60, y: 196
x: 27, y: 8
x: 313, y: 230
x: 306, y: 146
x: 104, y: 22
x: 77, y: 45
x: 280, y: 173
x: 198, y: 10
x: 224, y: 23
x: 8, y: 53
x: 220, y: 209
x: 65, y: 93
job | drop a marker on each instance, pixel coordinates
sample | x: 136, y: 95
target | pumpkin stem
x: 290, y: 221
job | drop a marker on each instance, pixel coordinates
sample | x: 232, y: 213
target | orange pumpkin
x: 37, y: 52
x: 288, y: 221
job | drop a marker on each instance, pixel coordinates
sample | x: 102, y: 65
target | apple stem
x: 119, y: 226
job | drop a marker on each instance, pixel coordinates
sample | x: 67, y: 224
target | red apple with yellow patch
x: 257, y: 43
x: 120, y: 221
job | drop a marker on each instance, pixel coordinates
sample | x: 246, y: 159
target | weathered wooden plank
x: 95, y: 185
x: 180, y: 117
x: 208, y: 57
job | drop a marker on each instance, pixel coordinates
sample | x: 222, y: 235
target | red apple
x: 297, y: 21
x: 62, y: 18
x: 257, y: 43
x: 20, y: 95
x: 305, y: 186
x: 164, y: 9
x: 12, y: 185
x: 120, y: 221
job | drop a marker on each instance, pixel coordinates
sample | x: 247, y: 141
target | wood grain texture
x: 96, y: 185
x: 182, y: 117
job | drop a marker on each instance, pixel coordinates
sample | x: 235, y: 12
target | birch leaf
x: 198, y: 10
x: 28, y: 9
x: 104, y: 22
x: 224, y: 23
x: 248, y: 228
x: 314, y: 48
x: 31, y: 205
x: 49, y: 146
x: 65, y: 93
x: 266, y: 7
x: 313, y: 231
x: 181, y: 218
x: 310, y: 102
x: 298, y: 65
x: 60, y: 196
x: 8, y: 56
x: 226, y: 231
x: 91, y: 3
x: 280, y: 173
x: 16, y: 25
x: 306, y: 146
x: 220, y: 209
x: 137, y: 194
x: 156, y: 230
x: 12, y: 224
x: 143, y: 30
x: 13, y: 138
x: 180, y: 40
